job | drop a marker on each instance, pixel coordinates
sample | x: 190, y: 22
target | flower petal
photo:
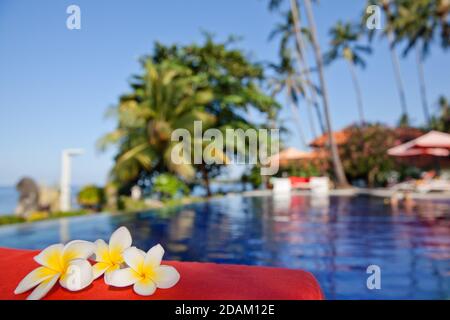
x: 144, y: 287
x: 101, y: 251
x: 34, y: 278
x: 154, y: 256
x: 78, y: 276
x: 43, y: 288
x: 166, y: 277
x: 51, y: 257
x: 99, y: 268
x: 134, y: 258
x: 78, y: 249
x: 123, y: 278
x: 109, y: 271
x: 119, y: 241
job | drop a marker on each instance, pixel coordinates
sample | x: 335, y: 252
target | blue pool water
x: 335, y: 238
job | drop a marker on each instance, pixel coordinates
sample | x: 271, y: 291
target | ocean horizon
x: 9, y: 197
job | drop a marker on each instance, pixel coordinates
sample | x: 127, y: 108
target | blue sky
x: 55, y: 83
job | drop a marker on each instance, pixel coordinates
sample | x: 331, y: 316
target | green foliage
x: 91, y: 197
x: 169, y: 186
x: 404, y: 122
x: 345, y: 43
x: 10, y: 219
x: 66, y: 214
x: 132, y: 205
x: 413, y: 23
x: 45, y: 215
x: 40, y: 215
x: 409, y: 172
x: 254, y: 176
x: 420, y: 22
x: 365, y: 153
x: 302, y: 169
x: 212, y: 83
x: 441, y: 121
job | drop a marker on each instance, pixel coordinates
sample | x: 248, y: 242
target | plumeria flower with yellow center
x: 109, y: 257
x: 67, y: 263
x: 145, y: 271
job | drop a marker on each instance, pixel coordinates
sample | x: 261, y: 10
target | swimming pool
x: 335, y: 238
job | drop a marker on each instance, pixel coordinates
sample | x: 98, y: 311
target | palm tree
x: 180, y: 85
x: 300, y: 33
x: 389, y: 33
x: 302, y: 83
x: 337, y: 163
x: 344, y: 44
x: 422, y: 21
x: 441, y: 121
x: 285, y: 80
x: 422, y: 85
x: 163, y: 99
x: 408, y: 23
x: 387, y: 7
x: 418, y: 22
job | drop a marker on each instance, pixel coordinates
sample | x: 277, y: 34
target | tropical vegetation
x: 365, y: 155
x: 441, y: 121
x: 91, y: 197
x: 345, y: 44
x: 169, y: 186
x: 212, y: 83
x: 298, y: 36
x: 217, y: 84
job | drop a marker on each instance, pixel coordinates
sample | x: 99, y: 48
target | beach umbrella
x: 433, y: 143
x: 291, y: 154
x: 427, y: 148
x: 436, y: 152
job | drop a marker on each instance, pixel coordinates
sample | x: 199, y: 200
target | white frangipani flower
x: 109, y: 257
x: 67, y: 263
x: 145, y: 271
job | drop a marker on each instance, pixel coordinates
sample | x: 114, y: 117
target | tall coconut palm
x: 388, y: 33
x: 411, y: 18
x: 300, y: 34
x: 288, y: 34
x: 164, y: 98
x: 285, y: 81
x: 341, y: 179
x: 337, y: 163
x: 418, y: 23
x: 422, y: 85
x: 345, y: 44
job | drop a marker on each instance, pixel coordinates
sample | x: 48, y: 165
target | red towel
x: 199, y: 281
